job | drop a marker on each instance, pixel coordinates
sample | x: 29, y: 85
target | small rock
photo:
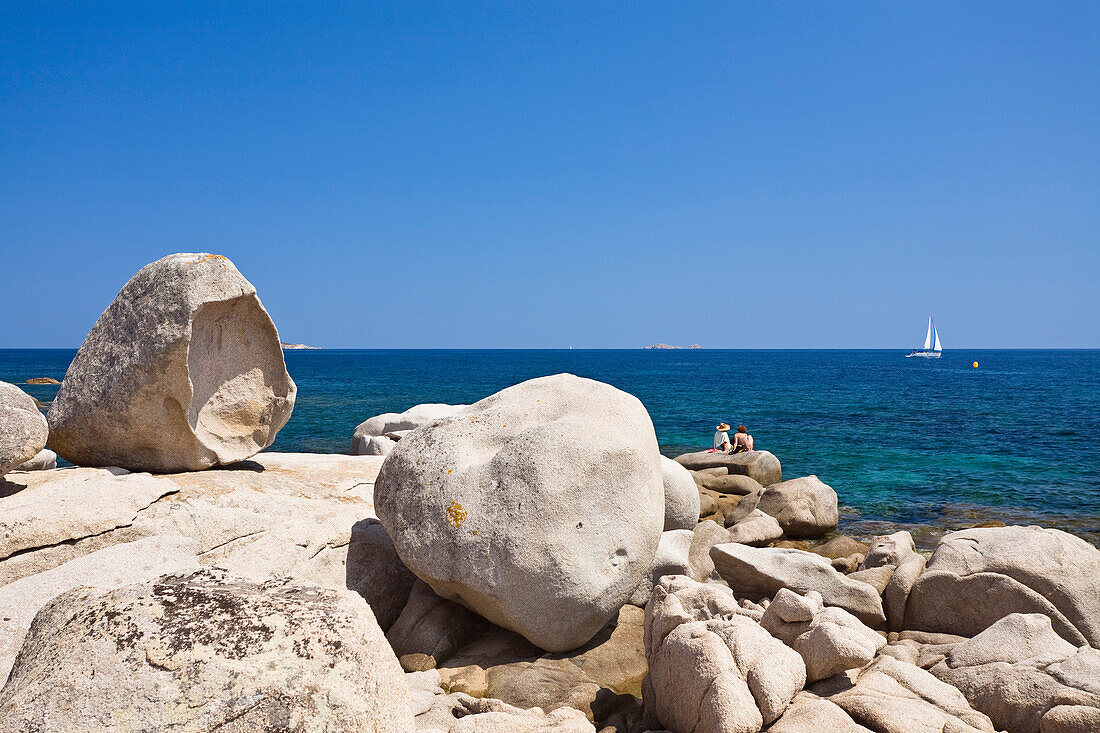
x: 43, y: 460
x: 756, y: 529
x: 759, y: 465
x: 23, y: 429
x: 805, y: 507
x: 380, y: 426
x: 681, y: 496
x: 830, y: 641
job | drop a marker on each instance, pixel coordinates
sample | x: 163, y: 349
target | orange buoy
x: 975, y: 365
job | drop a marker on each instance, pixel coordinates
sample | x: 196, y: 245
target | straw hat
x: 722, y: 427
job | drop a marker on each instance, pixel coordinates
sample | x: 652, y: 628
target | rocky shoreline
x: 529, y: 562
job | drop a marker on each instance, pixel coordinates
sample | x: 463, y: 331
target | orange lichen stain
x: 456, y: 515
x: 208, y: 257
x: 474, y: 531
x: 450, y: 470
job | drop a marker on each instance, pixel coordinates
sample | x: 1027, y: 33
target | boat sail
x: 929, y: 351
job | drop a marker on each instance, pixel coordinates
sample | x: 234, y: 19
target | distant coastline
x: 297, y: 347
x: 662, y: 347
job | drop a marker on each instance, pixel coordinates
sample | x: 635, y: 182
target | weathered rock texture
x: 183, y: 371
x: 43, y: 460
x: 891, y: 696
x: 681, y: 496
x: 1018, y: 670
x: 829, y: 639
x: 206, y: 651
x: 759, y: 465
x: 23, y: 429
x: 804, y: 507
x: 713, y: 669
x: 131, y: 562
x: 978, y: 576
x: 756, y: 529
x: 540, y: 507
x: 370, y: 439
x: 308, y: 516
x: 762, y: 572
x: 439, y: 712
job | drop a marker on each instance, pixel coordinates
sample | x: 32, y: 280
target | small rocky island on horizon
x: 670, y: 346
x: 297, y: 347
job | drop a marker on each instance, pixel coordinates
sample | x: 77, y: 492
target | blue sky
x: 736, y: 174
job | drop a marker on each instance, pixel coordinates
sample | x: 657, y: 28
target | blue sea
x: 924, y: 444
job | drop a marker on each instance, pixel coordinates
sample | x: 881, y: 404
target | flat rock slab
x: 764, y: 571
x: 51, y: 510
x: 759, y: 464
x: 304, y: 515
x: 131, y: 562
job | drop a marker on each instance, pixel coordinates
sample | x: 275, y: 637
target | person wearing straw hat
x: 722, y: 438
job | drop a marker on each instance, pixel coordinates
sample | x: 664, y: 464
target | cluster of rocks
x: 529, y: 562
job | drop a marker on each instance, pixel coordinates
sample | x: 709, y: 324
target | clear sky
x: 594, y: 174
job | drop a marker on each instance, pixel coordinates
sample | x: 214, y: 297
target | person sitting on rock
x: 742, y: 441
x: 722, y: 438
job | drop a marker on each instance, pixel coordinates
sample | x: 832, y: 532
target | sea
x: 927, y: 445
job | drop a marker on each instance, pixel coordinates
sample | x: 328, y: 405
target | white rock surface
x: 804, y: 507
x: 183, y: 371
x: 891, y: 696
x: 672, y: 558
x: 43, y: 460
x: 760, y: 465
x: 978, y: 576
x: 829, y: 641
x: 764, y: 571
x: 756, y: 529
x: 23, y: 429
x: 540, y: 507
x: 206, y: 651
x: 370, y: 438
x: 132, y: 562
x: 711, y: 667
x: 681, y: 496
x: 309, y: 516
x: 1019, y: 669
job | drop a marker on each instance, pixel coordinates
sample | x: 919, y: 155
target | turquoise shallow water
x: 903, y: 441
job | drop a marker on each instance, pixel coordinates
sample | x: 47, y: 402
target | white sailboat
x: 932, y: 348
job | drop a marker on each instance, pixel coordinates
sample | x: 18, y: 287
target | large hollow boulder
x: 804, y: 507
x: 206, y: 651
x: 540, y: 507
x: 183, y: 371
x: 978, y: 576
x: 23, y: 429
x: 681, y: 496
